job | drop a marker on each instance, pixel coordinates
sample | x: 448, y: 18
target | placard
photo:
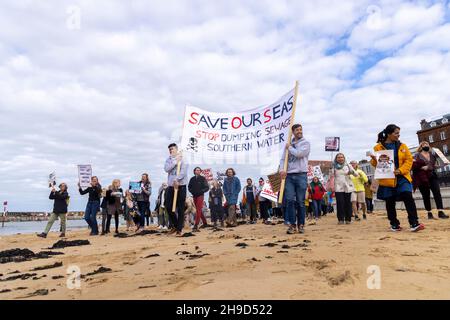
x: 268, y: 192
x: 135, y: 187
x: 332, y: 143
x: 275, y: 181
x: 385, y: 164
x: 441, y: 156
x: 52, y: 180
x: 84, y: 175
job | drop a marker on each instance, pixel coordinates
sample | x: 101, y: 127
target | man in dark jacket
x: 61, y: 199
x: 198, y: 186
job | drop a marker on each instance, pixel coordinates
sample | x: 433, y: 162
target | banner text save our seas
x: 258, y: 129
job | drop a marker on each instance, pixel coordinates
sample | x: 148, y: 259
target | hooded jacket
x: 60, y: 204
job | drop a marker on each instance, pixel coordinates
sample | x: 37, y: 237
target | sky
x: 105, y: 82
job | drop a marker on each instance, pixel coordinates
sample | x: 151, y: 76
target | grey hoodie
x: 171, y: 168
x: 298, y: 157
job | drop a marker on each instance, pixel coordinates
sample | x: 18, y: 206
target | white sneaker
x: 165, y: 228
x: 160, y: 227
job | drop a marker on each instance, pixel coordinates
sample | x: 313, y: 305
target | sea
x: 11, y: 228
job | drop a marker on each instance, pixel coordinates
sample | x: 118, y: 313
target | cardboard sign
x: 84, y: 175
x: 315, y: 172
x: 385, y: 164
x: 135, y: 187
x: 275, y: 182
x: 52, y: 180
x: 220, y: 176
x: 332, y: 143
x: 268, y: 192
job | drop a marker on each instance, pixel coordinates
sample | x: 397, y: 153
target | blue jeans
x: 317, y: 207
x: 296, y: 185
x: 90, y: 215
x: 143, y: 207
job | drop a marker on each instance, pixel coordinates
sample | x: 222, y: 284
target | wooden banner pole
x: 286, y: 157
x: 180, y: 153
x: 175, y: 195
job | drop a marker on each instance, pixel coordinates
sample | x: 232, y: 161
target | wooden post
x: 175, y: 195
x: 286, y: 157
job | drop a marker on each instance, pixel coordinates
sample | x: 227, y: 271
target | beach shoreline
x: 247, y: 262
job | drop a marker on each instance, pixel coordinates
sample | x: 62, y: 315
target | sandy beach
x: 247, y: 262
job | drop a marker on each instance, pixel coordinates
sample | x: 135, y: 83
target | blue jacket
x: 231, y: 189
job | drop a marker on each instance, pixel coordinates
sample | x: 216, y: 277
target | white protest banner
x: 207, y: 173
x: 135, y: 187
x: 332, y: 143
x: 268, y: 193
x: 385, y: 164
x: 84, y: 175
x: 220, y: 176
x: 257, y: 135
x: 52, y: 179
x: 441, y: 156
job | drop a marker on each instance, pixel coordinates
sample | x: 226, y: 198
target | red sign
x: 332, y: 143
x: 208, y: 174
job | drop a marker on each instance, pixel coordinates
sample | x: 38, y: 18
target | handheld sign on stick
x: 286, y: 157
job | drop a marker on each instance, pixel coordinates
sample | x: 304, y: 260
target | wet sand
x: 246, y: 262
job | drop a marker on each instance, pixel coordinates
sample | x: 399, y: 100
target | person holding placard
x: 400, y: 187
x: 61, y: 200
x: 176, y: 180
x: 426, y: 180
x: 93, y: 205
x: 343, y: 188
x: 143, y: 199
x: 114, y: 198
x: 296, y: 178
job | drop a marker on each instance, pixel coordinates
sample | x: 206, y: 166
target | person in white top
x: 343, y: 187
